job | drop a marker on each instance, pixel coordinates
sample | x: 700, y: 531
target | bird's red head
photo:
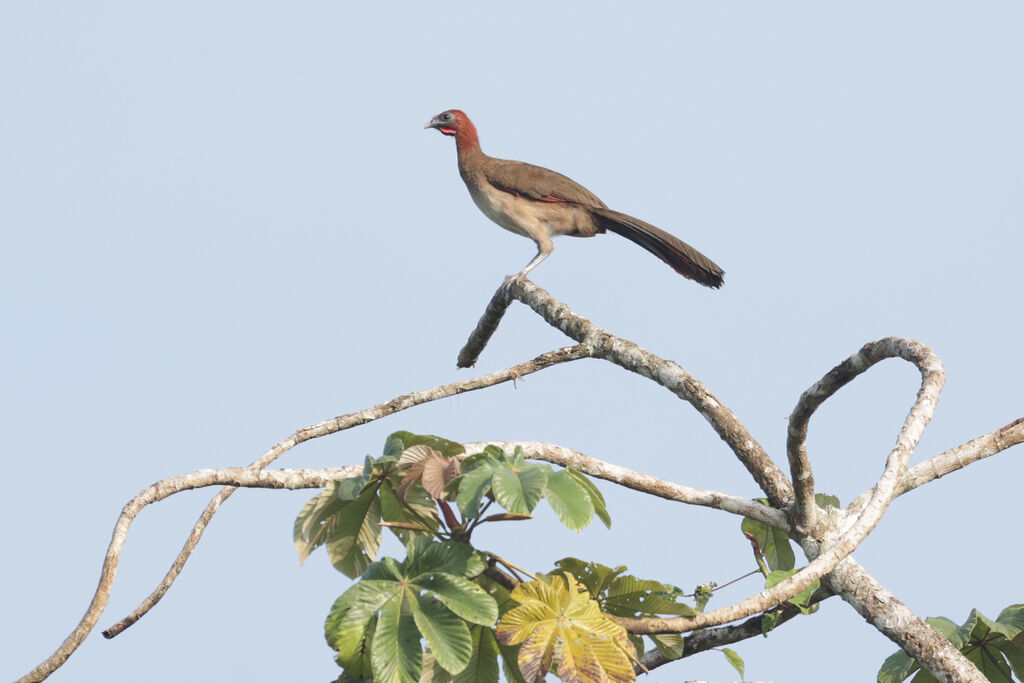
x: 455, y: 122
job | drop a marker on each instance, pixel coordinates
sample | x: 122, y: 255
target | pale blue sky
x: 224, y: 221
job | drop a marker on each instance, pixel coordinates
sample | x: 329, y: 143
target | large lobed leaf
x: 396, y: 604
x: 559, y: 621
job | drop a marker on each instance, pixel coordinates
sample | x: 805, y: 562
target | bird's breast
x: 529, y: 217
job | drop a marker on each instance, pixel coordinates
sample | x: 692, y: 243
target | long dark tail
x: 683, y: 258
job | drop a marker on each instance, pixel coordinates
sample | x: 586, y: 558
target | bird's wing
x: 538, y: 183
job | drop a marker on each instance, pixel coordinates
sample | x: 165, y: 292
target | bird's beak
x: 432, y: 123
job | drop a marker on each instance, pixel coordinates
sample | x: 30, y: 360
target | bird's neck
x: 466, y: 140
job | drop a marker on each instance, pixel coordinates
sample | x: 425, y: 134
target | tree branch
x: 932, y: 379
x: 921, y: 641
x: 668, y: 374
x: 711, y: 638
x: 920, y: 413
x: 640, y: 481
x: 962, y: 456
x: 109, y: 569
x: 485, y: 328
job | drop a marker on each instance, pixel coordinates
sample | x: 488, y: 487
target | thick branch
x: 872, y: 601
x: 668, y: 374
x: 919, y: 416
x: 640, y: 481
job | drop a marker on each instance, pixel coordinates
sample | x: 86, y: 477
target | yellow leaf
x: 559, y: 621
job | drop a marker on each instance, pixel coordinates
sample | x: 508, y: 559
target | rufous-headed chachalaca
x: 538, y: 203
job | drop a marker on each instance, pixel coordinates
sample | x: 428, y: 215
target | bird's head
x: 455, y: 123
x: 449, y: 122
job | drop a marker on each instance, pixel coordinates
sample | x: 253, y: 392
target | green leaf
x: 310, y: 529
x: 355, y: 539
x: 897, y: 667
x: 510, y: 663
x: 417, y: 510
x: 990, y: 663
x: 350, y: 488
x: 629, y: 596
x: 400, y: 441
x: 427, y: 556
x: 671, y: 645
x: 596, y: 499
x: 824, y: 500
x: 801, y: 600
x: 769, y: 620
x: 520, y: 491
x: 446, y: 634
x: 432, y: 671
x: 950, y: 630
x: 597, y: 577
x: 483, y: 664
x: 463, y: 597
x: 473, y: 485
x: 397, y: 656
x: 734, y: 659
x: 348, y: 622
x: 1012, y: 620
x: 774, y: 544
x: 1014, y: 653
x: 570, y: 500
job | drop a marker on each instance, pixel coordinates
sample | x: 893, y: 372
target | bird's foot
x: 506, y: 285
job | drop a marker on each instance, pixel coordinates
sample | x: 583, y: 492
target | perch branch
x: 668, y: 374
x: 640, y: 481
x: 485, y: 328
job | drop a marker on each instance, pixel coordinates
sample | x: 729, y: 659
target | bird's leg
x: 544, y: 249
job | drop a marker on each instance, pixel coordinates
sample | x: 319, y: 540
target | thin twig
x: 109, y: 569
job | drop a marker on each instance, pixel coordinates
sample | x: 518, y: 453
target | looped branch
x: 920, y: 414
x: 932, y: 378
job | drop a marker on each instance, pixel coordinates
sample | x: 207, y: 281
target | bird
x: 539, y: 203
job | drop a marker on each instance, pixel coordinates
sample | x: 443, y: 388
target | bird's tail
x: 683, y: 258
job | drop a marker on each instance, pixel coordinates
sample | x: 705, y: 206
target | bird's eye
x: 447, y: 116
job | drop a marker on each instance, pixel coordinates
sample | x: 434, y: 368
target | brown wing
x: 536, y: 182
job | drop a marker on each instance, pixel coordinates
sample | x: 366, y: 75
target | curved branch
x: 641, y: 481
x: 668, y: 374
x: 109, y: 569
x: 932, y: 379
x: 920, y: 414
x: 233, y: 476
